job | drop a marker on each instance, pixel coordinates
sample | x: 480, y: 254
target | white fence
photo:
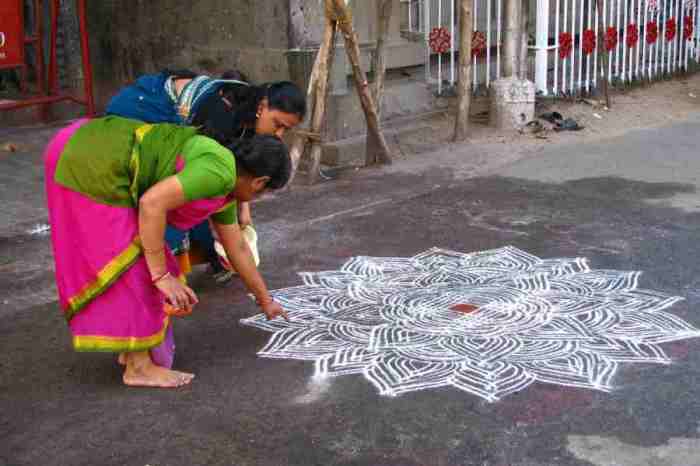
x: 641, y: 39
x: 431, y: 17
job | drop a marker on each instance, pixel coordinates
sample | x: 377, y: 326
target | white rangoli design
x: 548, y: 320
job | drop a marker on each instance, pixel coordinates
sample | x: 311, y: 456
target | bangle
x: 159, y: 278
x: 153, y: 251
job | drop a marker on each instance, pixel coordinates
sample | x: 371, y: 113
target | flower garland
x: 632, y: 35
x: 565, y: 44
x: 478, y: 44
x: 670, y: 29
x: 688, y: 27
x: 588, y: 41
x: 610, y: 38
x: 652, y: 32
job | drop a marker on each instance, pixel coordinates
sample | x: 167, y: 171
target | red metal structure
x: 13, y: 39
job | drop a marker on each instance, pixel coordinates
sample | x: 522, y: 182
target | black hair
x: 284, y: 96
x: 263, y: 155
x: 215, y: 120
x: 215, y: 113
x: 235, y: 93
x: 218, y: 121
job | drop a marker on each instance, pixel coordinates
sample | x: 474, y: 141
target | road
x: 628, y: 204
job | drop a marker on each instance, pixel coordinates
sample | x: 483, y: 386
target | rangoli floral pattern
x: 489, y: 323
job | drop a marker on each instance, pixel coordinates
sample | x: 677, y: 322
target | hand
x: 273, y: 309
x: 180, y: 297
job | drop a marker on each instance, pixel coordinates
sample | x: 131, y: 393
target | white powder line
x: 344, y: 212
x: 40, y: 229
x: 554, y: 321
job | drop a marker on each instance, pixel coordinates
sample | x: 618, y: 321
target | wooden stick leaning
x: 298, y: 145
x: 325, y: 63
x: 377, y: 148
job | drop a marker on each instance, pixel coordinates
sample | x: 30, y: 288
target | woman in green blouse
x: 112, y: 186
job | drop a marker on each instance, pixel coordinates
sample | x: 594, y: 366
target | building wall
x: 132, y: 37
x: 266, y: 39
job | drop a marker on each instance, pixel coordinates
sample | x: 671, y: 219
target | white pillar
x: 542, y: 43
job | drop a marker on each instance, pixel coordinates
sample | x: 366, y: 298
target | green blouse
x: 115, y: 160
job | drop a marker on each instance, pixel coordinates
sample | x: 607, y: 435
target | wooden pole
x: 321, y: 98
x: 384, y: 8
x: 298, y: 145
x: 464, y: 86
x: 377, y: 148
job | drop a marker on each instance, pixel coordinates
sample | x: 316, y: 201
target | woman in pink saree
x: 112, y: 185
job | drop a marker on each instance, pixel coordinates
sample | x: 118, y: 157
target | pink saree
x: 104, y: 285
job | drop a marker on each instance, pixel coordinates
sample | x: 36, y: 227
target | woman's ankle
x: 138, y: 360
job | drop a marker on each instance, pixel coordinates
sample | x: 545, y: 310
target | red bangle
x: 159, y: 277
x: 267, y: 301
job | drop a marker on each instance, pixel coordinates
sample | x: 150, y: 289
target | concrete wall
x: 132, y: 37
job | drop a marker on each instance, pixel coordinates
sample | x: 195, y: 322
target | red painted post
x: 53, y: 69
x: 87, y: 66
x: 40, y: 65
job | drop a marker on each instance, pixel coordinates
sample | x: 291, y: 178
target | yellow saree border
x: 135, y: 162
x: 94, y: 343
x: 105, y: 277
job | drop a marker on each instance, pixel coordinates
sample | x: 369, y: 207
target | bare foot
x: 141, y: 372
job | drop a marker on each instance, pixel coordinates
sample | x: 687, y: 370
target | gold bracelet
x: 153, y: 251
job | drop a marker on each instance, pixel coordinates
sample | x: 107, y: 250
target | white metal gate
x: 641, y: 40
x: 429, y: 17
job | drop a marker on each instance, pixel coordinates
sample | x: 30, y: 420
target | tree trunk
x: 377, y: 148
x: 512, y: 37
x: 523, y: 62
x: 464, y: 86
x: 321, y: 97
x: 384, y: 8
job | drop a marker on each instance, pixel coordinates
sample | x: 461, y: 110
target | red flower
x: 565, y: 44
x: 632, y: 35
x: 478, y: 44
x: 610, y: 38
x: 670, y: 29
x: 588, y: 41
x: 652, y: 32
x: 688, y: 27
x: 439, y: 40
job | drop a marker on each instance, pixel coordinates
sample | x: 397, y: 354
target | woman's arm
x: 241, y: 260
x: 153, y: 208
x: 244, y: 217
